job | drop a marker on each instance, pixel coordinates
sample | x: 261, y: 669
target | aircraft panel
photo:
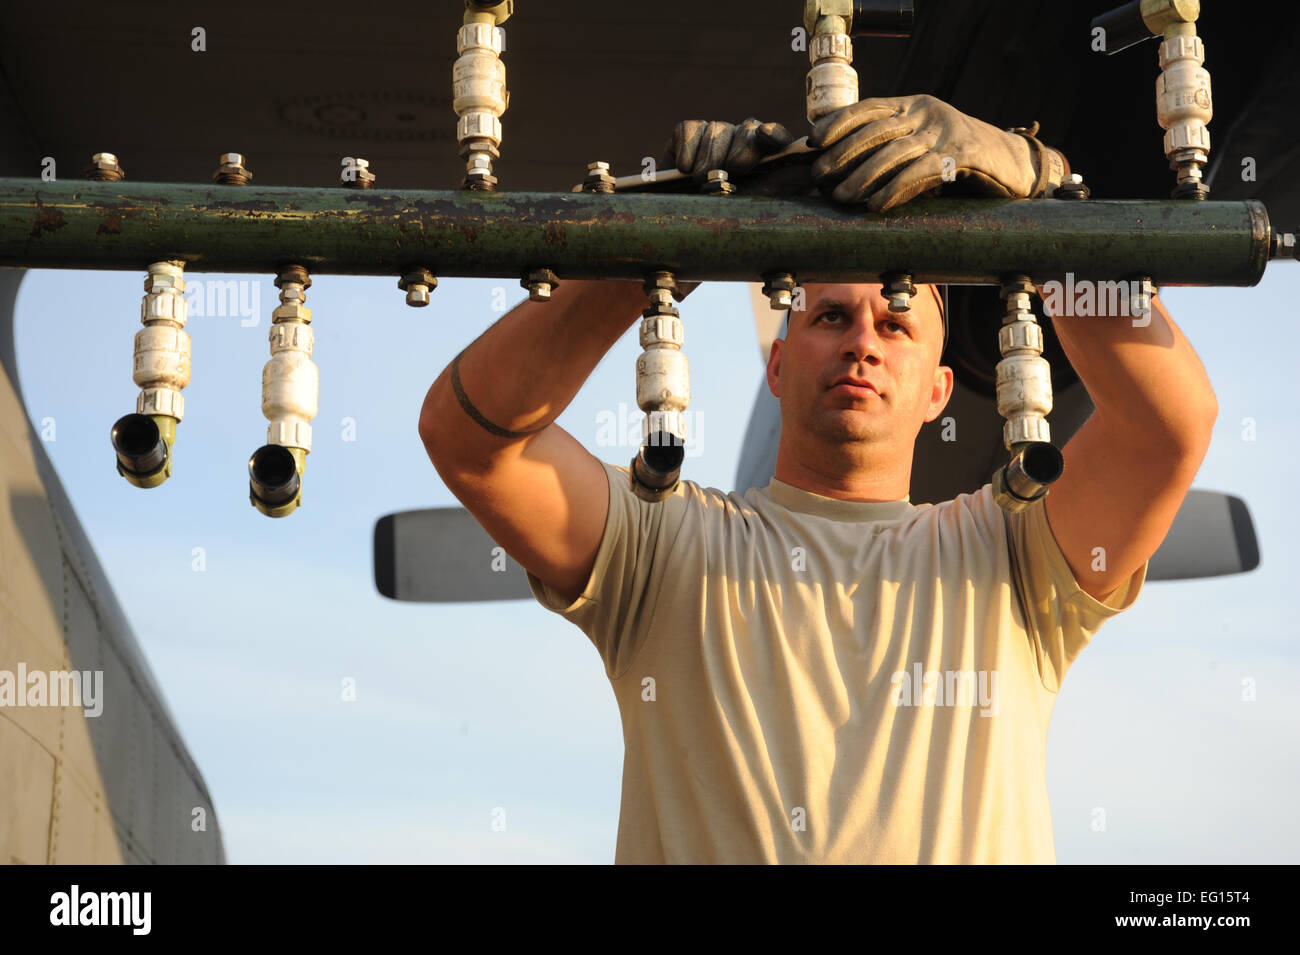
x: 81, y: 832
x: 19, y: 648
x: 28, y: 771
x: 117, y: 787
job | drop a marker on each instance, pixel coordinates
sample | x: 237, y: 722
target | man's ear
x: 774, y: 367
x: 941, y: 393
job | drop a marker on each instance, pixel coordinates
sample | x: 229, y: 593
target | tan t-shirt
x: 804, y: 679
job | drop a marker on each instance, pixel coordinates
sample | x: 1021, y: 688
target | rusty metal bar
x: 127, y: 225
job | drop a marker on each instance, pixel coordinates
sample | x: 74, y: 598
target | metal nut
x: 779, y: 288
x: 105, y: 168
x: 659, y: 287
x: 291, y: 312
x: 717, y: 183
x: 417, y: 284
x: 501, y: 10
x: 599, y: 178
x: 1017, y: 286
x: 478, y: 172
x: 1140, y: 302
x: 898, y: 289
x: 1073, y: 188
x: 232, y: 171
x: 164, y: 281
x: 356, y: 174
x: 540, y: 283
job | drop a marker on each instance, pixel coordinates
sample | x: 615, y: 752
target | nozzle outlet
x: 143, y: 446
x: 1025, y: 479
x: 657, y: 467
x: 275, y: 479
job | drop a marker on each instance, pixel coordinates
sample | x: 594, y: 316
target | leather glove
x: 908, y: 137
x: 699, y: 146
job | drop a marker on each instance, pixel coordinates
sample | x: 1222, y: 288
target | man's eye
x: 900, y: 325
x: 825, y: 314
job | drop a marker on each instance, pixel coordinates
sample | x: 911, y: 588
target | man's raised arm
x: 488, y: 426
x: 1129, y: 467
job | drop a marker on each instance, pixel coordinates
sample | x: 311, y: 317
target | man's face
x: 848, y: 331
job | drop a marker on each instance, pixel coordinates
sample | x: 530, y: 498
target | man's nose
x: 861, y: 341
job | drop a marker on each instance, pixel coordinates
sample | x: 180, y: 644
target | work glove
x: 908, y: 138
x: 699, y: 146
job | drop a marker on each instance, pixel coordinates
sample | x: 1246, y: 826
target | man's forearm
x: 1145, y: 381
x: 522, y: 372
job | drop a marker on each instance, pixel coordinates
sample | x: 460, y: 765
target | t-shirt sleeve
x: 1061, y: 617
x: 616, y: 606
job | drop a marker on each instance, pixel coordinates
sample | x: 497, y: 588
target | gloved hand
x: 699, y: 146
x: 908, y: 137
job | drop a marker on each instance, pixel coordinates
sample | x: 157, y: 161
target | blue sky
x: 465, y: 710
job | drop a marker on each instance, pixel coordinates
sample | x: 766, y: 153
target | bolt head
x: 478, y: 172
x: 779, y: 288
x: 599, y: 178
x: 1018, y: 302
x: 1073, y: 188
x: 104, y: 166
x: 1190, y: 189
x: 658, y: 280
x: 659, y: 302
x: 291, y: 312
x: 232, y: 169
x: 417, y: 296
x: 718, y: 183
x: 160, y: 281
x: 357, y: 173
x: 780, y: 298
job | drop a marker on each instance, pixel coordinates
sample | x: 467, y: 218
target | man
x: 818, y: 670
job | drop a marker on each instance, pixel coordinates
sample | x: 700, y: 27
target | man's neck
x: 846, y: 478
